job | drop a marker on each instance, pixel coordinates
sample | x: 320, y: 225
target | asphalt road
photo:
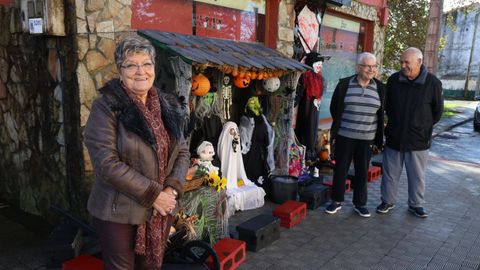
x: 461, y: 144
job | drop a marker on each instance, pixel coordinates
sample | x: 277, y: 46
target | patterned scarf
x: 152, y: 236
x: 313, y: 83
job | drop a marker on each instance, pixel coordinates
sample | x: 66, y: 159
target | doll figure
x: 205, y: 153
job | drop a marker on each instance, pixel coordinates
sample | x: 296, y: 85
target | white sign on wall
x: 35, y: 25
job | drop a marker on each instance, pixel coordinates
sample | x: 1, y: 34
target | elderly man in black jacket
x: 414, y: 103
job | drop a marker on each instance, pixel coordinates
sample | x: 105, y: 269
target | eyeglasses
x: 131, y: 68
x: 369, y: 66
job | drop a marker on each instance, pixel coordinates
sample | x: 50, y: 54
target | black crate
x: 315, y: 195
x: 260, y: 231
x: 305, y: 181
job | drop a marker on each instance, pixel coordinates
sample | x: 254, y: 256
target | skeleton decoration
x: 227, y: 96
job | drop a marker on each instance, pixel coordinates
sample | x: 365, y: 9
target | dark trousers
x: 118, y: 245
x: 360, y: 151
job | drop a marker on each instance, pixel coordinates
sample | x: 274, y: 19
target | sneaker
x: 333, y: 208
x: 362, y: 211
x: 384, y: 207
x: 418, y: 211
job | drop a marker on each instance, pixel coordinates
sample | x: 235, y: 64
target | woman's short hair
x: 131, y: 45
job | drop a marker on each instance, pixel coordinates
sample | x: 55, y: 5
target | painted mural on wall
x: 233, y: 20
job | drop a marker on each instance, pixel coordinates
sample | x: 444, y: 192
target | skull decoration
x: 226, y: 80
x: 272, y: 84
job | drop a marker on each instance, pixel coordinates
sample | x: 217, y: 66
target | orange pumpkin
x: 241, y: 73
x: 200, y: 85
x: 241, y: 82
x: 324, y: 155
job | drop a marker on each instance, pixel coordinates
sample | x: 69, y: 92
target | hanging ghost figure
x: 242, y: 194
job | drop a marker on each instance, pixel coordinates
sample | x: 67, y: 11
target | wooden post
x: 433, y: 35
x: 472, y: 50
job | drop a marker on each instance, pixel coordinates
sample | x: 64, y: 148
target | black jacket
x: 337, y: 105
x: 412, y: 108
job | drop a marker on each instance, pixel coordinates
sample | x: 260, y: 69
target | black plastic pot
x: 283, y: 188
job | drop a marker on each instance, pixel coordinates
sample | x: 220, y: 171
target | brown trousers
x: 118, y: 245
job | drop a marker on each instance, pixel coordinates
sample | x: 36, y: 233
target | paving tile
x: 467, y: 268
x: 434, y: 266
x: 471, y: 264
x: 440, y: 259
x: 451, y: 266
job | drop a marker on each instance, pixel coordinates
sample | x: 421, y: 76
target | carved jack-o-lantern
x: 272, y: 84
x: 242, y: 82
x: 200, y: 85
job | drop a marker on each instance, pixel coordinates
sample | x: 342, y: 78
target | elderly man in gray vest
x: 357, y: 128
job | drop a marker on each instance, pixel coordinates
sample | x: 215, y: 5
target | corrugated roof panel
x: 205, y: 50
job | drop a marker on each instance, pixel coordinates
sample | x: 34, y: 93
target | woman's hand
x: 165, y: 202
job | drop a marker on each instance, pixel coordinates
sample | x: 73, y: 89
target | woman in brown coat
x: 140, y: 157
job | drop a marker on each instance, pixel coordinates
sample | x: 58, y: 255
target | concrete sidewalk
x: 464, y: 113
x: 448, y: 239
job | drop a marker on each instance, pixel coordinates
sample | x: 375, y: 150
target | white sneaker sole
x: 415, y: 213
x: 334, y: 211
x: 386, y: 211
x: 360, y: 214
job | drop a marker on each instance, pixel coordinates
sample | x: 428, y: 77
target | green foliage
x: 201, y: 171
x: 463, y: 8
x: 407, y: 28
x: 450, y: 21
x: 442, y: 42
x: 449, y: 110
x: 205, y: 202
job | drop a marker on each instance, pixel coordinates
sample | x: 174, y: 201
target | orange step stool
x: 290, y: 213
x: 374, y: 173
x: 83, y: 262
x: 231, y: 253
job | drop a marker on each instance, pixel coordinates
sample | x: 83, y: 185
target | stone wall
x: 99, y: 25
x: 286, y: 23
x: 32, y: 141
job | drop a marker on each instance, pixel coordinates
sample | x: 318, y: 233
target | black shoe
x: 418, y: 211
x: 383, y: 208
x: 362, y: 211
x: 333, y: 208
